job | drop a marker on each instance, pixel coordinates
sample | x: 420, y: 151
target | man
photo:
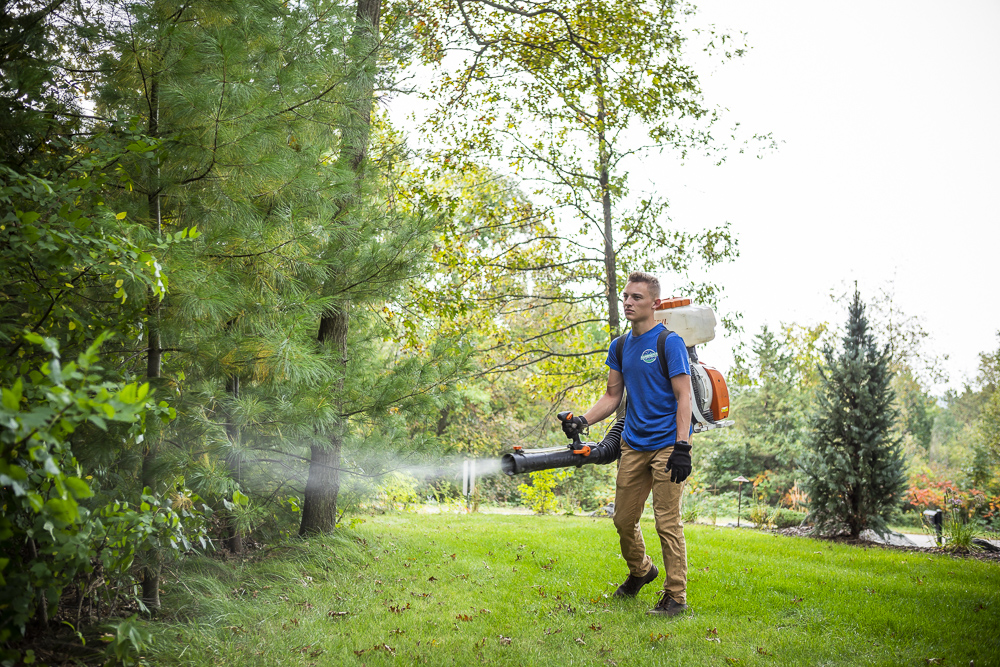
x: 656, y: 453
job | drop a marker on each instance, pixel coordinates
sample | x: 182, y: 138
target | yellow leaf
x: 121, y: 216
x: 119, y: 283
x: 72, y: 325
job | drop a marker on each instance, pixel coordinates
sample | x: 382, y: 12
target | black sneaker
x: 633, y: 585
x: 667, y: 606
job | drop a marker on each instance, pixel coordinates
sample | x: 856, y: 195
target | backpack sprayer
x: 709, y: 398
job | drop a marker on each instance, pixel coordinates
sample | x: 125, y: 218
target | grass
x: 525, y: 590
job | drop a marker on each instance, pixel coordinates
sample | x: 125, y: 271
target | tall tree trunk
x: 233, y: 539
x: 154, y: 357
x: 319, y: 509
x: 610, y: 261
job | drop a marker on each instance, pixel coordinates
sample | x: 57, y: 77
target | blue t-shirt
x: 651, y: 419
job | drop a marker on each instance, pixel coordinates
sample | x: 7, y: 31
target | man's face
x: 637, y: 301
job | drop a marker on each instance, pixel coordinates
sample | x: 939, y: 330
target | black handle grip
x: 565, y: 417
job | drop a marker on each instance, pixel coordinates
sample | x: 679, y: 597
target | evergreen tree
x: 854, y: 471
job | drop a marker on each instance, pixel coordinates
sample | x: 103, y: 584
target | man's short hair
x: 649, y: 279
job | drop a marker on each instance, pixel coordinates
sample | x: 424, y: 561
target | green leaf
x: 51, y: 467
x: 78, y: 487
x: 29, y: 217
x: 12, y: 396
x: 128, y: 393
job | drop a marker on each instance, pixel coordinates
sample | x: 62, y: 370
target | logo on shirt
x: 649, y: 356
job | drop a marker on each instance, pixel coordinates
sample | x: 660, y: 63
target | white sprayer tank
x: 695, y: 324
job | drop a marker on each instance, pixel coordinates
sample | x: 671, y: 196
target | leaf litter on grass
x: 839, y: 619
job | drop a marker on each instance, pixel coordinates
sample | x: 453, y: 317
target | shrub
x: 762, y: 515
x: 909, y: 519
x: 960, y: 528
x: 690, y: 514
x: 47, y: 536
x: 398, y: 490
x: 785, y: 518
x: 539, y: 496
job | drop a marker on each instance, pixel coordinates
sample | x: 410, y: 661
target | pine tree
x: 854, y: 471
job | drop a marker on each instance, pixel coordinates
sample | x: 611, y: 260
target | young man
x: 656, y: 453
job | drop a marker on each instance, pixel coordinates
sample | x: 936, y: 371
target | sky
x: 887, y: 170
x: 886, y: 173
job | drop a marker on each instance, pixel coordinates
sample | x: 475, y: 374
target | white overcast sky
x: 888, y: 168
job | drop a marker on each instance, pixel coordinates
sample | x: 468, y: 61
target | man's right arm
x: 609, y: 402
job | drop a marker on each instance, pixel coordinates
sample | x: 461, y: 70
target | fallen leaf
x: 595, y: 627
x: 463, y: 617
x: 763, y: 651
x: 505, y: 640
x: 712, y: 631
x: 336, y: 613
x: 432, y: 579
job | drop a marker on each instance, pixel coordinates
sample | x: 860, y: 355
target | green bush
x: 539, y: 495
x: 785, y: 518
x: 762, y: 515
x: 398, y: 490
x: 774, y: 517
x: 909, y: 520
x: 49, y: 537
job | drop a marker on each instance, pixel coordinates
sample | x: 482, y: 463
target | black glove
x: 574, y: 426
x: 679, y: 463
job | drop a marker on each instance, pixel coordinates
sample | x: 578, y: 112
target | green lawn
x: 524, y: 590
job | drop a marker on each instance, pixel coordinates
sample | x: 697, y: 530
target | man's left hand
x: 679, y: 463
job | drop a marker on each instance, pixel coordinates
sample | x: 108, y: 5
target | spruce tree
x: 854, y: 469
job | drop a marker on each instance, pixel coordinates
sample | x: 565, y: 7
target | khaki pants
x: 638, y: 472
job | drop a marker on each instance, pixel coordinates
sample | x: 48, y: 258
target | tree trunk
x: 233, y: 539
x: 154, y: 358
x: 319, y: 509
x: 610, y: 261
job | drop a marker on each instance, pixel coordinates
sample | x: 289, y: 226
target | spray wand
x: 574, y: 455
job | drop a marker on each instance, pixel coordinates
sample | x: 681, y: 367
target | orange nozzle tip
x: 583, y: 451
x: 518, y: 448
